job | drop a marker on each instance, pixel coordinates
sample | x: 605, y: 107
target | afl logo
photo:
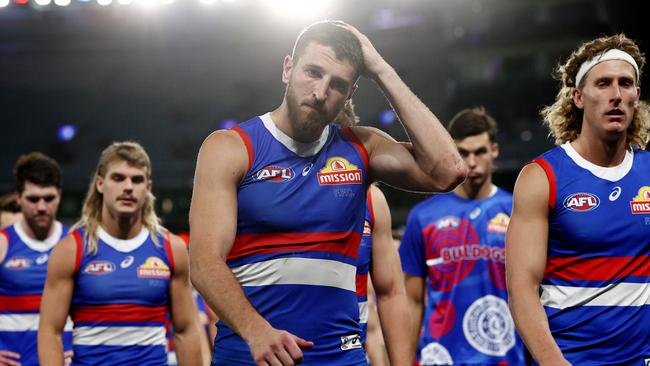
x: 99, y: 268
x: 581, y: 202
x: 18, y: 263
x: 273, y: 173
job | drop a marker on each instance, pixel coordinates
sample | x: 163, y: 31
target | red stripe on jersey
x: 169, y: 251
x: 20, y: 303
x: 597, y: 269
x: 251, y: 244
x: 119, y: 313
x: 369, y: 204
x: 551, y: 180
x: 362, y: 285
x: 249, y: 145
x: 79, y: 242
x: 357, y: 145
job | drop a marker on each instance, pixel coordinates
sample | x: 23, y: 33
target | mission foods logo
x: 580, y: 202
x: 499, y: 223
x: 99, y: 268
x: 641, y: 203
x: 154, y: 267
x: 274, y: 173
x: 338, y: 170
x: 367, y: 229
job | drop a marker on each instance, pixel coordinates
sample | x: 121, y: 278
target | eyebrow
x: 334, y: 78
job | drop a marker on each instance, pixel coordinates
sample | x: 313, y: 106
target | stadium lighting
x: 124, y: 2
x: 208, y: 1
x: 4, y: 3
x: 298, y: 8
x: 104, y: 2
x: 43, y: 2
x: 62, y: 2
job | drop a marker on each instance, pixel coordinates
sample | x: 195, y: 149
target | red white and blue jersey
x: 364, y: 265
x: 299, y: 224
x: 458, y: 245
x: 121, y: 296
x: 596, y: 286
x: 22, y: 277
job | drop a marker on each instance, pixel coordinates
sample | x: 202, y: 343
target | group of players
x: 287, y: 234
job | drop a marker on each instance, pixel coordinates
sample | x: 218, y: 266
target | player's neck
x: 36, y: 233
x: 471, y: 192
x: 121, y: 227
x: 601, y: 152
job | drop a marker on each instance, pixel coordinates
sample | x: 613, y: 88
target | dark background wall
x: 168, y: 76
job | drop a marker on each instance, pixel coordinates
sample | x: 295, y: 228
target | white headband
x: 613, y: 54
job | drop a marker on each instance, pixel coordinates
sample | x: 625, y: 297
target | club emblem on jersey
x: 499, y: 223
x: 367, y: 229
x: 488, y: 327
x: 274, y: 173
x: 435, y: 354
x: 99, y: 268
x: 154, y: 267
x: 18, y: 263
x: 447, y: 223
x: 580, y: 202
x: 338, y: 170
x: 350, y: 342
x: 641, y: 203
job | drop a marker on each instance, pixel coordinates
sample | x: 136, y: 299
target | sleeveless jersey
x: 120, y: 299
x: 364, y: 266
x: 596, y: 286
x: 458, y: 246
x: 299, y: 224
x: 22, y: 277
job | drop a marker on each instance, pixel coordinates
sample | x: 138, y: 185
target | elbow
x: 451, y: 177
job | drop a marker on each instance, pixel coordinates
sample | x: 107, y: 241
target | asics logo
x: 615, y: 193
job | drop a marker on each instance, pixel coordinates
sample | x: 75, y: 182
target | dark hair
x: 472, y: 122
x: 331, y: 33
x: 8, y: 203
x: 37, y: 168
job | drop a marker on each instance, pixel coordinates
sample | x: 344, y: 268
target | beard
x: 40, y: 224
x: 305, y: 124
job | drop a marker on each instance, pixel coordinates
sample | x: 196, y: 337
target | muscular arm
x: 432, y: 162
x: 55, y: 303
x: 221, y: 165
x: 415, y: 293
x: 187, y: 332
x: 375, y: 345
x: 388, y: 284
x: 526, y: 246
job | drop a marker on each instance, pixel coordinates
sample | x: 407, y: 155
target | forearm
x: 188, y: 346
x: 433, y: 148
x: 220, y: 289
x: 417, y: 313
x: 396, y: 322
x: 50, y: 347
x: 532, y: 325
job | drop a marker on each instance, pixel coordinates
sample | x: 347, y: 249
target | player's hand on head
x: 278, y: 347
x: 373, y: 62
x: 8, y: 358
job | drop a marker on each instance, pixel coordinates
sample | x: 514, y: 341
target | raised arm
x: 431, y: 162
x: 526, y: 248
x: 55, y: 303
x: 184, y: 314
x: 221, y: 165
x: 388, y: 283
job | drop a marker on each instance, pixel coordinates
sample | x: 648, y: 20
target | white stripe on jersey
x: 119, y: 336
x: 24, y: 323
x: 363, y: 312
x: 622, y: 294
x: 298, y: 271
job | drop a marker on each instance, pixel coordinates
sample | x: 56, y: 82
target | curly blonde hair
x: 347, y: 117
x: 564, y: 119
x: 91, y: 213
